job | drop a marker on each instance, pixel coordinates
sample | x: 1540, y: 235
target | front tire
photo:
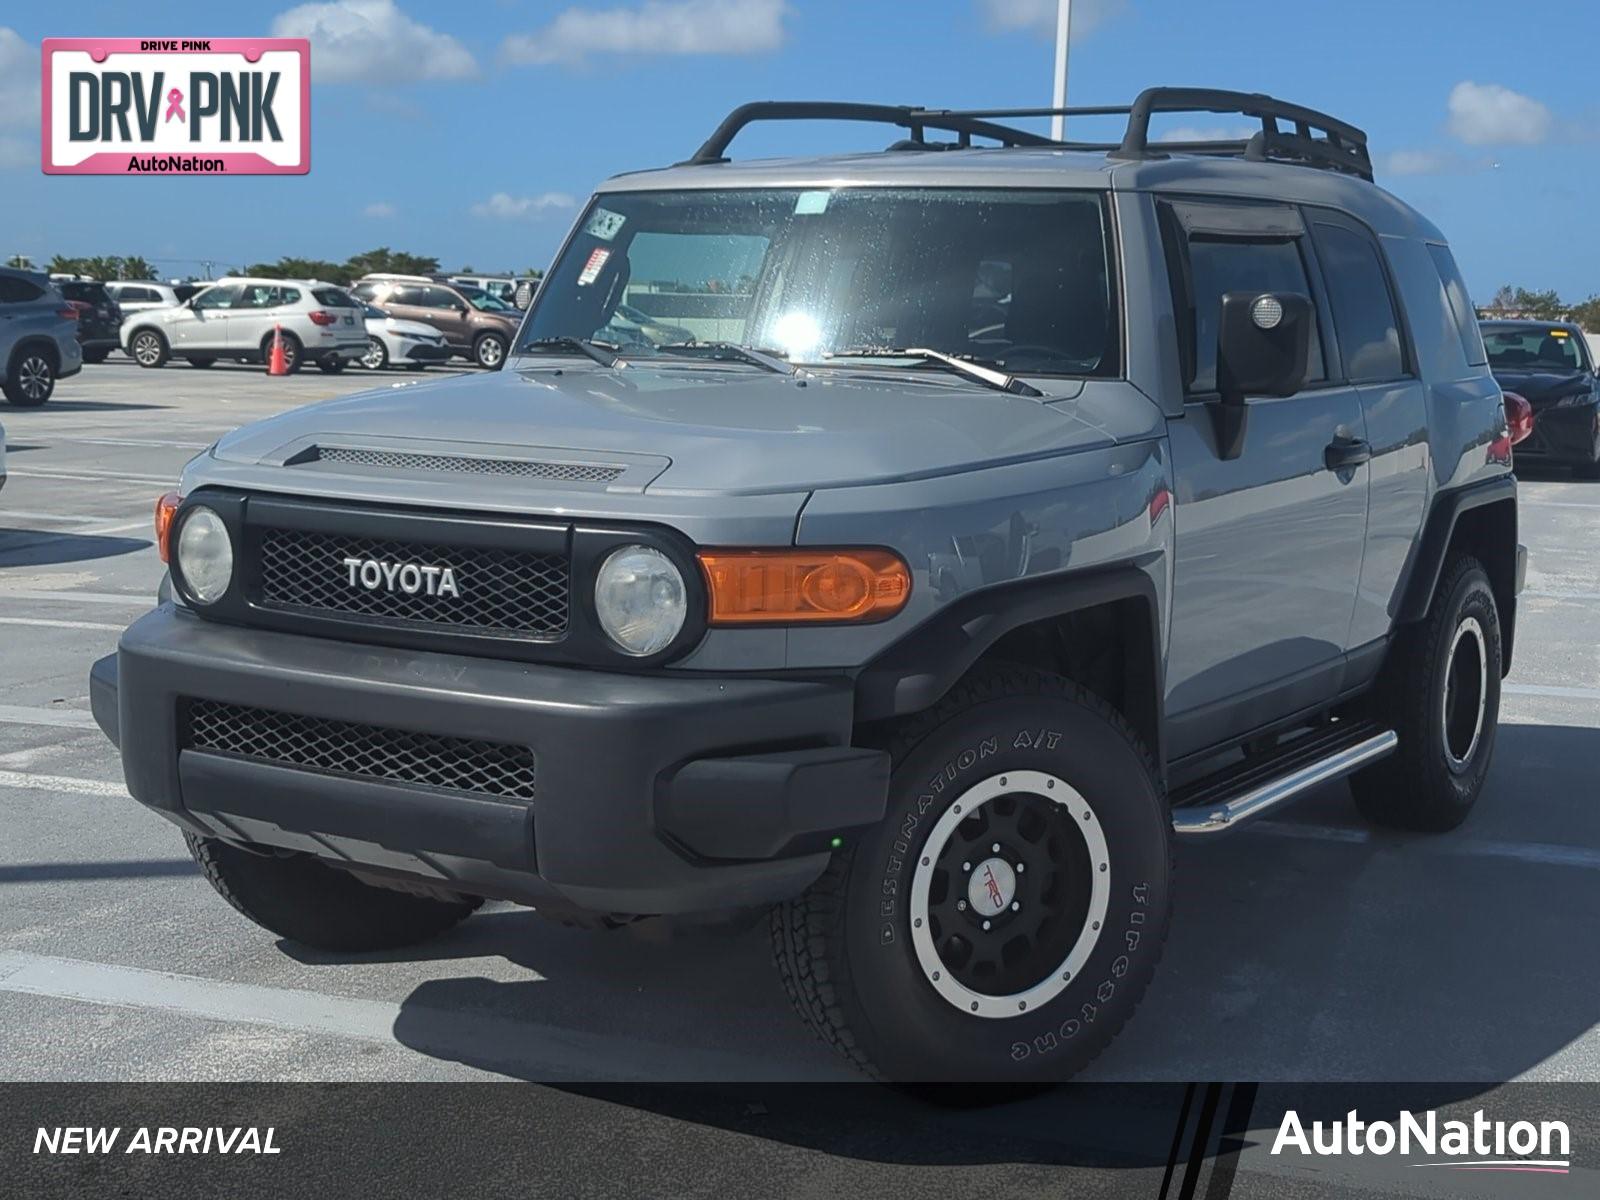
x: 489, y: 351
x: 31, y: 379
x: 149, y: 348
x: 925, y: 954
x: 306, y: 901
x: 1441, y: 695
x: 377, y: 356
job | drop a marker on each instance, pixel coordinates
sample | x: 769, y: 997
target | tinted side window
x: 333, y: 298
x: 406, y: 295
x: 18, y: 291
x: 1222, y: 265
x: 1455, y: 292
x: 435, y: 297
x: 216, y: 297
x: 1363, y: 309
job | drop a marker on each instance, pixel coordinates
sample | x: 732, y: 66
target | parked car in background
x: 629, y: 325
x: 392, y: 340
x: 476, y: 325
x: 1549, y: 364
x: 38, y: 337
x: 99, y: 317
x: 136, y: 295
x: 236, y: 318
x: 502, y: 287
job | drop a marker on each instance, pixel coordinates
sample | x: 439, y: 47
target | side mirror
x: 1263, y: 345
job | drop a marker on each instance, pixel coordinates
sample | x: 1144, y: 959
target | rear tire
x: 149, y: 348
x: 1440, y: 692
x: 31, y: 378
x: 887, y: 956
x: 200, y: 361
x: 330, y: 365
x: 293, y: 353
x: 316, y: 905
x: 95, y: 356
x: 489, y: 351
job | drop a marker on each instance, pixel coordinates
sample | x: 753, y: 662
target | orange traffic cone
x: 275, y: 361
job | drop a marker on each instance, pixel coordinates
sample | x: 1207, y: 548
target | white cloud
x: 19, y: 80
x: 515, y: 208
x: 1039, y: 16
x: 373, y: 41
x: 654, y: 27
x: 1488, y: 114
x: 378, y: 208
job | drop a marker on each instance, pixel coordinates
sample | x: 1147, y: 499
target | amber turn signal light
x: 166, y: 507
x: 782, y: 587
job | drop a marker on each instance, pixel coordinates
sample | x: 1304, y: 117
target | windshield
x: 1016, y: 278
x: 1534, y: 348
x: 483, y: 301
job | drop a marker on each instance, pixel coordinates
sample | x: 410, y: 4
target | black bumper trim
x: 657, y: 793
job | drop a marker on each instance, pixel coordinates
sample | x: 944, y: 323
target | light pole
x: 1058, y: 123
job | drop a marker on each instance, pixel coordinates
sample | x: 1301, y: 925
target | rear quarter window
x: 1459, y: 303
x: 333, y: 298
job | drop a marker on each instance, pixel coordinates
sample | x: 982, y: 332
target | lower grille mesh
x: 366, y: 751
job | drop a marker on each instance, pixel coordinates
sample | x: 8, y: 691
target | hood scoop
x: 562, y: 472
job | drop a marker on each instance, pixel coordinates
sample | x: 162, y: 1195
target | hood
x: 706, y: 429
x: 1540, y: 387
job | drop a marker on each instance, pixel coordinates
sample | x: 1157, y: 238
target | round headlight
x: 205, y: 555
x: 641, y: 600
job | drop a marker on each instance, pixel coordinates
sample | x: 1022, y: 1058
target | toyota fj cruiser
x: 987, y: 515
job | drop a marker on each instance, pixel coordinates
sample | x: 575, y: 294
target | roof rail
x: 917, y: 120
x: 1316, y: 139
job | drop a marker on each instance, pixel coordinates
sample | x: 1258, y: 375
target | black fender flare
x: 1415, y: 594
x: 913, y: 673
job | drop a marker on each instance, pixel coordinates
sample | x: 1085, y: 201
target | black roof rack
x: 1315, y: 139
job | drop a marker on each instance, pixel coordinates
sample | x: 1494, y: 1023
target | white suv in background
x: 137, y: 295
x: 236, y: 317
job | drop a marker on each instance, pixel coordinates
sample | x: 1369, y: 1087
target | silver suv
x: 38, y: 337
x: 961, y: 524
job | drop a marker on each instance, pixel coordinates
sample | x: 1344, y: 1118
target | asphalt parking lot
x: 1308, y: 947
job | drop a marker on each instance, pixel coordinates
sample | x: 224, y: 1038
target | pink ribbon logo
x: 175, y: 105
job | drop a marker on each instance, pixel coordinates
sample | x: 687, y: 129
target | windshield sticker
x: 591, y: 269
x: 1558, y: 333
x: 811, y: 203
x: 604, y: 224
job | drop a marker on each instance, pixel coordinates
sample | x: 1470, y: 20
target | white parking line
x: 1524, y: 498
x: 1549, y: 691
x: 50, y: 624
x: 29, y: 782
x: 519, y: 1046
x: 85, y: 475
x: 61, y: 718
x: 129, y: 599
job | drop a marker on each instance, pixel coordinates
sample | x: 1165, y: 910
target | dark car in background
x: 99, y: 317
x: 1549, y: 364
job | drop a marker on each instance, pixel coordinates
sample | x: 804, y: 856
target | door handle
x: 1343, y: 453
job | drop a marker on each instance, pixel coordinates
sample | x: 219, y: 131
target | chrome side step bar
x: 1263, y: 798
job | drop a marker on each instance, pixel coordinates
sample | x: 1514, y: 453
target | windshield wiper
x: 765, y: 359
x: 604, y: 353
x: 988, y: 376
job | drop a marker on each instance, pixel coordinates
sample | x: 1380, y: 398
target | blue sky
x: 470, y: 130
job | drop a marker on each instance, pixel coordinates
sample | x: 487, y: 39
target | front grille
x: 498, y: 591
x: 363, y: 751
x: 559, y: 472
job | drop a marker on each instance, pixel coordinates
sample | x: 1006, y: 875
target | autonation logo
x: 1476, y: 1145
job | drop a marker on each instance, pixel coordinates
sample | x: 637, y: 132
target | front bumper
x: 421, y: 352
x: 654, y: 794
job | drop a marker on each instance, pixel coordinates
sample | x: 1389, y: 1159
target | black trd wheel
x: 1442, y: 695
x: 149, y: 348
x: 489, y: 351
x: 1003, y: 921
x: 31, y: 379
x: 304, y: 900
